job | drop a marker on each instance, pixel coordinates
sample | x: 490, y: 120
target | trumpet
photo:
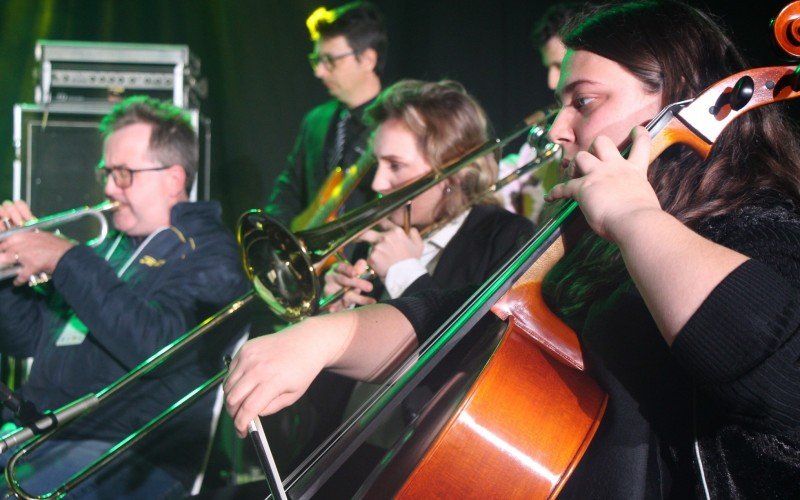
x: 291, y: 262
x: 58, y: 220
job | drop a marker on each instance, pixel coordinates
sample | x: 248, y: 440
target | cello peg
x: 742, y: 93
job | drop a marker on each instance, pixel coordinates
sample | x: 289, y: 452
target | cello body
x: 518, y: 425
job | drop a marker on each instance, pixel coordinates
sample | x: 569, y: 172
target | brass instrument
x: 57, y: 220
x: 291, y: 262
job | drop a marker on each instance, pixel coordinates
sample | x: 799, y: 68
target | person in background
x: 525, y: 195
x: 350, y: 45
x: 456, y: 233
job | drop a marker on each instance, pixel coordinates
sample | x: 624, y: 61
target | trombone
x: 55, y: 221
x: 58, y: 419
x: 290, y: 285
x: 281, y: 266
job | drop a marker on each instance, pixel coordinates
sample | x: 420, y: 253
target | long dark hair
x: 677, y: 50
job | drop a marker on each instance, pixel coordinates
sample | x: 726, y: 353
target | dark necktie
x: 341, y: 139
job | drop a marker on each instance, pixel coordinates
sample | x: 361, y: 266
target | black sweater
x: 733, y: 374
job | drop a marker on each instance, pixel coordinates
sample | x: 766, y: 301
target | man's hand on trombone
x: 34, y: 253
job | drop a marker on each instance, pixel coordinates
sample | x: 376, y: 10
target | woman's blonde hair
x: 448, y: 123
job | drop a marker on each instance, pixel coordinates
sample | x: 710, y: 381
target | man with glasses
x: 169, y: 264
x: 349, y: 54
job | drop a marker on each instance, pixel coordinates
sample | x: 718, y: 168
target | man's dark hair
x: 173, y: 140
x: 361, y: 24
x: 554, y: 19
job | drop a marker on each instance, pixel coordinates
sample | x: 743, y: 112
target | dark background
x: 253, y: 55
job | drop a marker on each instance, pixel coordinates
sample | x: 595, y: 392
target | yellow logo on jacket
x: 151, y: 261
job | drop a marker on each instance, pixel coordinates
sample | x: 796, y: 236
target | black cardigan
x: 733, y: 372
x: 488, y: 238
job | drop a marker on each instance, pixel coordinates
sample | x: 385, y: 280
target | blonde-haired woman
x: 421, y: 127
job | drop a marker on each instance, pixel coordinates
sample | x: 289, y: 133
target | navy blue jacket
x: 167, y: 284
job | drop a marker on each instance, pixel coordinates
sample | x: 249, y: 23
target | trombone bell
x: 278, y: 264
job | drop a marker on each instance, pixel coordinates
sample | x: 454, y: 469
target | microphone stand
x: 36, y: 423
x: 25, y: 411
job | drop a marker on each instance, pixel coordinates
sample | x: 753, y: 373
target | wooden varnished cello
x: 478, y: 446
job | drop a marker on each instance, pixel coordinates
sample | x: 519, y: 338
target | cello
x: 697, y: 123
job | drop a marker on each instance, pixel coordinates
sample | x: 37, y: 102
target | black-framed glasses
x: 327, y: 60
x: 123, y: 176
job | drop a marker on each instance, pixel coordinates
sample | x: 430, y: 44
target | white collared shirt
x: 403, y: 273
